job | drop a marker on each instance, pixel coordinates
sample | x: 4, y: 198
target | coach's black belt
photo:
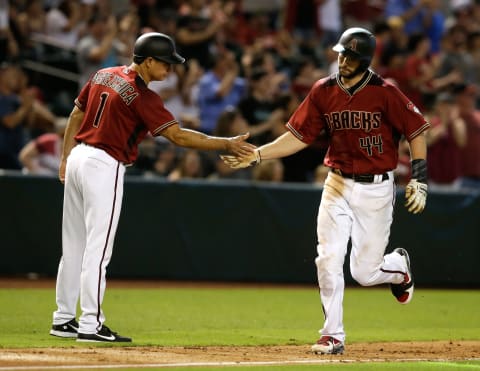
x: 361, y: 178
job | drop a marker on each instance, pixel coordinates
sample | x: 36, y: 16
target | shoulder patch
x: 413, y: 108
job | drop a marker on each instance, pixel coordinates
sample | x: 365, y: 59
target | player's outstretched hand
x: 239, y: 147
x: 239, y: 162
x: 416, y: 196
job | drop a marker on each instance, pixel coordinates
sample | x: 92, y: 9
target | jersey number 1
x: 101, y: 107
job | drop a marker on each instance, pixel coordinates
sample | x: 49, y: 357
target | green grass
x: 247, y: 316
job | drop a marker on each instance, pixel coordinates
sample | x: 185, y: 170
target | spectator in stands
x: 258, y: 30
x: 25, y: 23
x: 302, y: 22
x: 189, y: 166
x: 31, y: 19
x: 180, y: 93
x: 419, y: 69
x: 330, y: 21
x: 381, y: 30
x: 269, y: 171
x: 41, y: 119
x: 260, y: 108
x: 9, y: 47
x: 42, y: 154
x: 412, y: 12
x: 474, y: 51
x: 229, y: 122
x: 15, y: 109
x: 278, y: 70
x: 362, y: 13
x: 395, y: 52
x: 306, y: 74
x: 21, y: 115
x: 455, y: 56
x: 197, y: 27
x: 99, y: 48
x: 463, y: 13
x: 166, y: 157
x: 64, y: 23
x: 445, y: 140
x: 219, y: 88
x: 466, y: 99
x: 128, y: 30
x: 434, y: 24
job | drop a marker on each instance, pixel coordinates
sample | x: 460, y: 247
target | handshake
x: 240, y: 162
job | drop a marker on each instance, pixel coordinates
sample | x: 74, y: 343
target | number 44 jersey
x: 363, y: 123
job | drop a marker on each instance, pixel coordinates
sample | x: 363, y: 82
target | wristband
x: 419, y: 170
x: 258, y: 157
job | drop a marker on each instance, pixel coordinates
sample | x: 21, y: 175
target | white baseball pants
x: 364, y: 213
x: 91, y: 209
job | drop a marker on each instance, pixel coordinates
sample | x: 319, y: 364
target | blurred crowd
x: 249, y: 65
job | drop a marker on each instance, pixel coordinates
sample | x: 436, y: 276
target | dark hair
x: 414, y: 40
x: 381, y: 27
x: 257, y: 73
x: 224, y: 122
x: 96, y: 17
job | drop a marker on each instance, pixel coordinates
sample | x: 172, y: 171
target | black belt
x: 361, y: 178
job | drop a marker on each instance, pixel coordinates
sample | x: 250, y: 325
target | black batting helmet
x: 156, y: 45
x: 358, y: 43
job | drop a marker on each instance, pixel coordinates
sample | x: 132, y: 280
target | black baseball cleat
x: 403, y: 291
x: 66, y: 330
x: 105, y: 334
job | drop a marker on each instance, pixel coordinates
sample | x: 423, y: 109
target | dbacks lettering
x: 361, y: 120
x: 358, y: 120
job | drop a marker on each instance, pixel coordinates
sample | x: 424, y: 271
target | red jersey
x: 119, y: 111
x: 49, y: 144
x: 364, y: 124
x: 445, y: 164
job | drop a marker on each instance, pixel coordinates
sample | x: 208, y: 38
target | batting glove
x: 416, y: 196
x: 236, y: 162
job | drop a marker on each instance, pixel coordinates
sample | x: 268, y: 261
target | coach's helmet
x: 358, y: 43
x: 158, y: 46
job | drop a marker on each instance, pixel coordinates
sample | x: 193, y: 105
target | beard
x: 352, y: 74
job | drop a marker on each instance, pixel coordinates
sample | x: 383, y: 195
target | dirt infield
x: 374, y: 352
x: 164, y: 356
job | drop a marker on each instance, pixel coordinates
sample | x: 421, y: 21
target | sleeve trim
x: 78, y: 104
x: 419, y: 131
x: 163, y: 127
x: 294, y: 131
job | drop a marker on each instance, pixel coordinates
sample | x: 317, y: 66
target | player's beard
x: 351, y: 75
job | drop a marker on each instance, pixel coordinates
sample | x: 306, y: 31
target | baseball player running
x: 112, y: 114
x: 364, y: 117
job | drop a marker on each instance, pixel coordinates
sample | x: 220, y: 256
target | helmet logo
x: 352, y: 45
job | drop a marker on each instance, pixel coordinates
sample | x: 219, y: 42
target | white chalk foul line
x: 228, y: 363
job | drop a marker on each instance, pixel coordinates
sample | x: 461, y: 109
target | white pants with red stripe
x: 91, y: 209
x: 364, y: 213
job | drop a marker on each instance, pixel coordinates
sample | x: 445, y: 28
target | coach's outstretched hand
x: 239, y: 162
x: 239, y: 147
x: 416, y: 196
